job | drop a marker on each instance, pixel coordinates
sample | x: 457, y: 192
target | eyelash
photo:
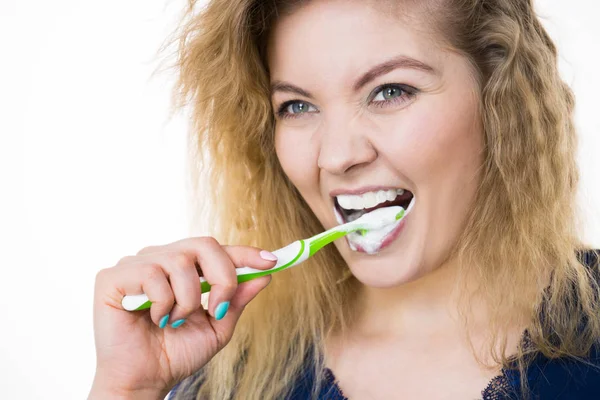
x: 407, y: 91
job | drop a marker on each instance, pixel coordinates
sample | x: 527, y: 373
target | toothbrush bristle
x: 379, y: 218
x: 400, y: 214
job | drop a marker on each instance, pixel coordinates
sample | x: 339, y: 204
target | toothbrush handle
x: 288, y: 256
x: 141, y: 302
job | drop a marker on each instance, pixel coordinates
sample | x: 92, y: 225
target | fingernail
x: 221, y: 310
x: 163, y: 321
x: 178, y: 323
x: 267, y: 255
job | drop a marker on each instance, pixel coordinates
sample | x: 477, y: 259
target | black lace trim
x: 497, y: 389
x: 330, y: 377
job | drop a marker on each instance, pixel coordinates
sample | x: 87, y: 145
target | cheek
x: 438, y: 143
x: 298, y: 158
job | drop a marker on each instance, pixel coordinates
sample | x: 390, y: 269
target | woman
x: 310, y: 112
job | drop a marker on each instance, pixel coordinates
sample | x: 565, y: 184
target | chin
x: 383, y: 272
x: 395, y: 264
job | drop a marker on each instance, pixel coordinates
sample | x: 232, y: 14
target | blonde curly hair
x: 514, y: 243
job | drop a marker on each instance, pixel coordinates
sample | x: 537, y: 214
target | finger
x: 207, y: 252
x: 244, y: 255
x: 159, y: 292
x: 241, y: 256
x: 135, y: 259
x: 218, y: 270
x: 151, y: 250
x: 116, y: 282
x: 245, y: 293
x: 223, y: 281
x: 248, y: 256
x: 185, y: 283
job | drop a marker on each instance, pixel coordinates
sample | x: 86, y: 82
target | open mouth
x: 355, y: 206
x: 347, y: 208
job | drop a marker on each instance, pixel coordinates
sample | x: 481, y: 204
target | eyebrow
x: 279, y: 86
x: 374, y: 72
x: 390, y: 65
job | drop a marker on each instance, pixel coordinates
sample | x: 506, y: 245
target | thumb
x: 244, y: 294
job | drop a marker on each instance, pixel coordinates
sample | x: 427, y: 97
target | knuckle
x: 230, y: 286
x: 101, y: 275
x: 125, y: 260
x: 166, y: 298
x: 154, y: 271
x: 147, y: 250
x: 207, y: 241
x: 181, y: 260
x: 188, y: 307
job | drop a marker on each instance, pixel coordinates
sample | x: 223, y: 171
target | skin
x: 137, y: 356
x: 339, y: 138
x: 407, y: 341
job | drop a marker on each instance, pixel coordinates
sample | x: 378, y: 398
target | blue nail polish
x: 163, y: 321
x: 221, y: 310
x: 178, y: 323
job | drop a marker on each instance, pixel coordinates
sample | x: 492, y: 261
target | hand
x: 149, y: 351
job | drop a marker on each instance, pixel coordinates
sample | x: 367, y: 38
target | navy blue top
x: 556, y: 379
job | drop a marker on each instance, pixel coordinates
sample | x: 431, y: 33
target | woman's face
x: 367, y: 107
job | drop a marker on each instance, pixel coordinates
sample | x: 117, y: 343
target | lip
x: 389, y: 238
x: 365, y: 189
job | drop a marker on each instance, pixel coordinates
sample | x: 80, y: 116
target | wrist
x: 109, y: 393
x: 102, y: 391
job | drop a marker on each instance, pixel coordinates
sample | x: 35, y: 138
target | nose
x: 344, y: 146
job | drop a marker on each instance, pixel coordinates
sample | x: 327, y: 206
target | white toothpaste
x: 372, y: 240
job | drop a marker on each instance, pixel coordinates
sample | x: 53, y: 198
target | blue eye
x: 390, y: 94
x: 298, y: 107
x: 387, y: 95
x: 293, y: 108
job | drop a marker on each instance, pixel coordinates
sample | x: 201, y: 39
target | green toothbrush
x: 296, y: 252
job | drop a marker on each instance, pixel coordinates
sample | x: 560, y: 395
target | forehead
x: 332, y: 39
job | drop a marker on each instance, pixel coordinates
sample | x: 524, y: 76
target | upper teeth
x: 367, y: 200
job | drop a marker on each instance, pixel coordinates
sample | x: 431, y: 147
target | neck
x: 427, y: 312
x: 429, y: 304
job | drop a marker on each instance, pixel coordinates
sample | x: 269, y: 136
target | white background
x: 92, y: 168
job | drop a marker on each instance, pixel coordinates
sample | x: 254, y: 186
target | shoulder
x: 569, y: 377
x: 304, y: 386
x: 566, y: 378
x: 301, y: 389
